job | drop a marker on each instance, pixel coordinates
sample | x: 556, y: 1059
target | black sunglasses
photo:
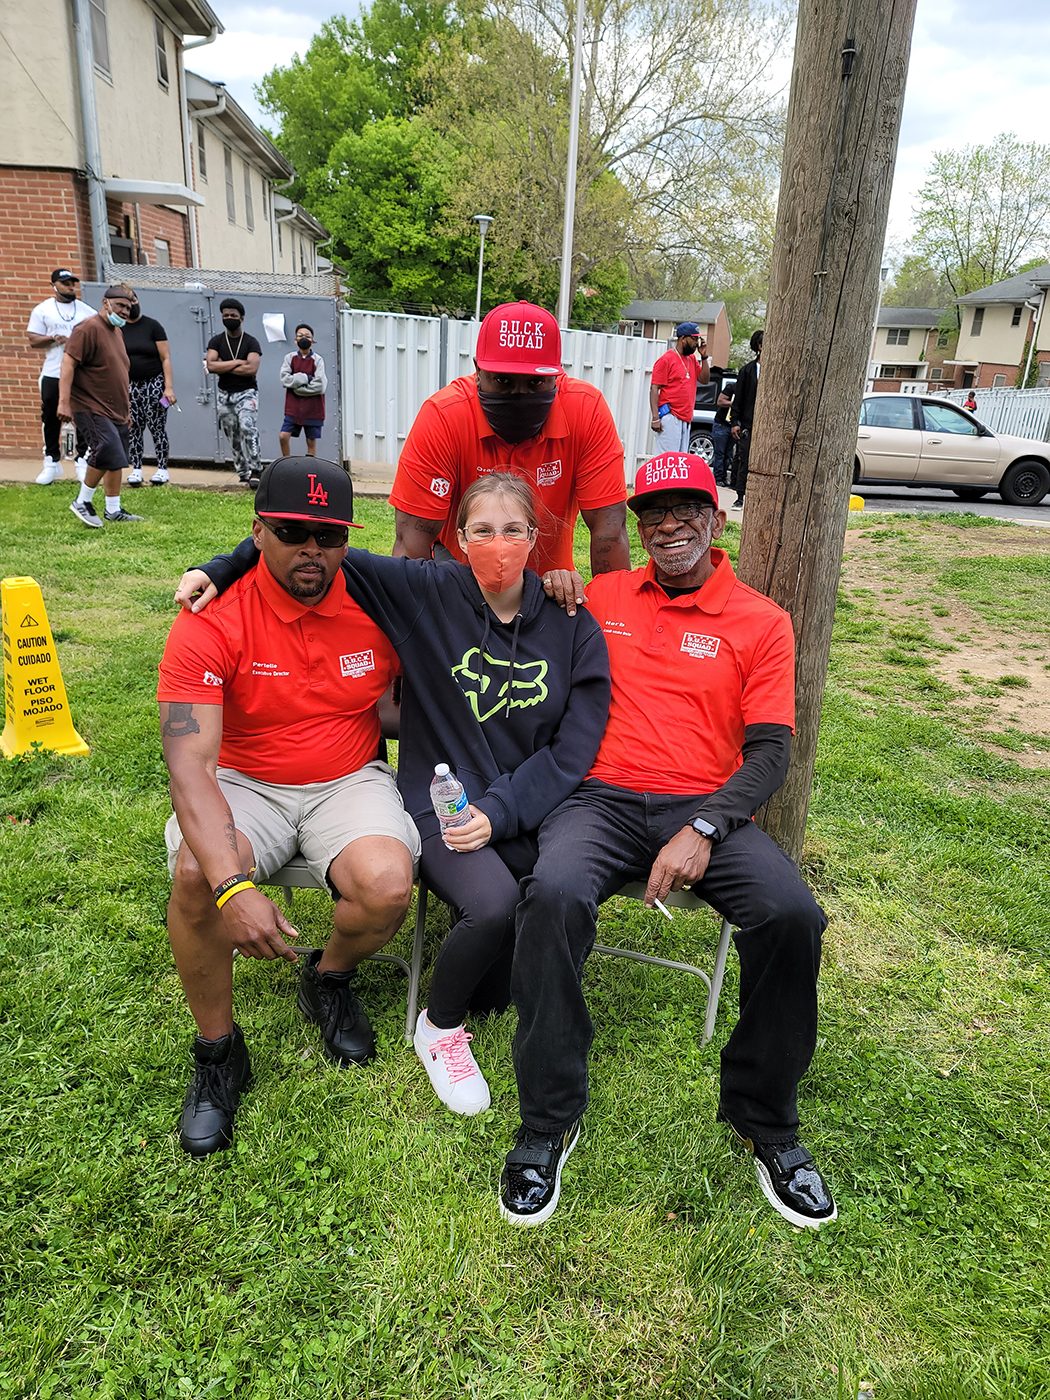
x: 685, y: 510
x: 327, y: 536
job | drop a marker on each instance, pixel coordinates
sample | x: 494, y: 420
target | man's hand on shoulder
x: 678, y: 865
x: 566, y: 588
x: 256, y: 926
x: 195, y: 591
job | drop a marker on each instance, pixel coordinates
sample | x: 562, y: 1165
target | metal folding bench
x: 296, y: 876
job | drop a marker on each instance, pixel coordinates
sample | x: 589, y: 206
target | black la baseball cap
x: 306, y: 488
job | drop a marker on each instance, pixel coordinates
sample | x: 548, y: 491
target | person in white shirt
x: 50, y: 326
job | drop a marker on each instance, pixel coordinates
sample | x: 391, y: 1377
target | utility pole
x: 847, y: 92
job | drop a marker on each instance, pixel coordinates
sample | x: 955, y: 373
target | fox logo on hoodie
x: 491, y: 694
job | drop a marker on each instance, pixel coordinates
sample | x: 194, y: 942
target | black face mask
x: 304, y: 345
x: 63, y: 295
x: 233, y: 323
x: 516, y: 417
x: 134, y: 312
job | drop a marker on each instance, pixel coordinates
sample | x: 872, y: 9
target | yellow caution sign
x: 856, y: 503
x: 35, y: 704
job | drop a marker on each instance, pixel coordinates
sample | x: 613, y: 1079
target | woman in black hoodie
x: 513, y: 693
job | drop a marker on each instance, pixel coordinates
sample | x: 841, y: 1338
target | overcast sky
x: 977, y: 69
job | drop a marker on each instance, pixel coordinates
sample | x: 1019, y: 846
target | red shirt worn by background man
x: 675, y: 376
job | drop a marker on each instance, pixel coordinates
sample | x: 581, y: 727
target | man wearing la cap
x: 271, y: 735
x: 702, y: 711
x: 519, y: 413
x: 51, y: 323
x: 672, y: 390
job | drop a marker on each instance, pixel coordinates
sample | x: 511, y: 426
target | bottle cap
x: 441, y: 770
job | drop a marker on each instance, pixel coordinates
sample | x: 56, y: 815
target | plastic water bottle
x: 449, y: 799
x: 69, y: 440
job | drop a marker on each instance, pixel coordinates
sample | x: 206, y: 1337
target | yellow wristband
x: 244, y: 885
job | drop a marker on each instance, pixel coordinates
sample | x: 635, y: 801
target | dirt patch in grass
x: 998, y: 669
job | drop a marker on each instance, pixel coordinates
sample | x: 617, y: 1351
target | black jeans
x: 741, y: 461
x: 599, y: 839
x: 472, y: 972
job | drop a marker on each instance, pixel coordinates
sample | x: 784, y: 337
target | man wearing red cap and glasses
x: 700, y: 723
x: 519, y: 413
x: 271, y: 736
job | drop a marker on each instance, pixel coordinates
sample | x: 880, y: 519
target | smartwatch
x: 703, y: 828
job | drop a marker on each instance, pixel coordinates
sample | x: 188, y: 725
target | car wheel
x: 970, y: 493
x: 1025, y: 483
x: 701, y: 443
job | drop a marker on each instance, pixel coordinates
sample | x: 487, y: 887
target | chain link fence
x: 221, y: 280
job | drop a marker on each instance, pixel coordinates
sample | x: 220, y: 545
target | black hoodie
x: 516, y: 765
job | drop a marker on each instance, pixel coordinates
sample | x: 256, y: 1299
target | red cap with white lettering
x: 519, y: 338
x: 681, y: 472
x: 306, y: 488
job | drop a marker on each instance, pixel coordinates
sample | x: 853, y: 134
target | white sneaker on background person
x: 49, y: 472
x: 134, y: 477
x: 451, y: 1068
x: 159, y: 477
x: 82, y: 467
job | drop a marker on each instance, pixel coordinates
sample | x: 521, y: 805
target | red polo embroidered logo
x: 317, y: 495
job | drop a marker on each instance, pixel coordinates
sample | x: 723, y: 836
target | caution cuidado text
x: 36, y: 711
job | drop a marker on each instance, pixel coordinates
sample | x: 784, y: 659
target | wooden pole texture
x: 847, y: 91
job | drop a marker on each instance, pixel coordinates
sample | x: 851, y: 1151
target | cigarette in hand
x: 663, y: 909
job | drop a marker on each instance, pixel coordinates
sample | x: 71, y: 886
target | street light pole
x: 565, y: 288
x: 484, y: 223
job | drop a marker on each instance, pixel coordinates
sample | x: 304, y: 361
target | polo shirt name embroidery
x: 696, y: 644
x: 267, y: 669
x: 357, y: 663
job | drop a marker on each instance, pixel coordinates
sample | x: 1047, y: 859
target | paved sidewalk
x: 370, y: 478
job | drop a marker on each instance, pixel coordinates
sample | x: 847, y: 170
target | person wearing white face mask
x: 512, y: 692
x: 94, y: 391
x: 51, y: 323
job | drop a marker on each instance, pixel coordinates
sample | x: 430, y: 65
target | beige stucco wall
x: 909, y: 354
x: 288, y: 259
x: 39, y: 108
x: 138, y: 120
x: 999, y: 343
x: 224, y: 244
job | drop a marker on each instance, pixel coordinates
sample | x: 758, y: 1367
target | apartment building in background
x: 909, y: 344
x: 1004, y: 328
x: 112, y: 153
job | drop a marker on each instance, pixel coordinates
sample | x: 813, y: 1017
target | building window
x: 280, y: 238
x: 202, y: 154
x: 942, y: 340
x: 978, y: 321
x: 998, y: 381
x: 249, y: 210
x: 162, y: 252
x: 936, y: 372
x: 897, y: 335
x: 160, y: 43
x: 302, y: 258
x: 100, y: 36
x: 266, y: 201
x: 231, y: 196
x: 1015, y: 319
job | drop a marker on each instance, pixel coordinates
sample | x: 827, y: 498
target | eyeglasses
x: 685, y: 510
x: 327, y: 536
x: 478, y: 534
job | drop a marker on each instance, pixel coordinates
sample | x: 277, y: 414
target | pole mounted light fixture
x: 484, y: 223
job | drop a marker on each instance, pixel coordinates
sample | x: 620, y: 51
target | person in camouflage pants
x: 234, y: 356
x: 239, y: 420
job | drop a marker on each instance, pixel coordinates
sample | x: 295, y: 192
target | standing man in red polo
x: 518, y: 413
x: 271, y: 734
x: 699, y: 732
x: 672, y: 391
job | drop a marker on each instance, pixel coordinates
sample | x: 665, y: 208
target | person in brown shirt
x: 93, y: 391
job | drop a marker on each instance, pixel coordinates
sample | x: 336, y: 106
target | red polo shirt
x: 688, y: 674
x: 575, y: 463
x: 675, y: 377
x: 298, y: 685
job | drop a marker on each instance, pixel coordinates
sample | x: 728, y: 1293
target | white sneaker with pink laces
x: 451, y: 1068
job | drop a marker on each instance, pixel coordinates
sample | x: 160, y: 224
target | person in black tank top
x: 152, y: 392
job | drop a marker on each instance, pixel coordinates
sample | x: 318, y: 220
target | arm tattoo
x: 180, y: 722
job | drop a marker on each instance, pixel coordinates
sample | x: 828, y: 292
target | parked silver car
x: 919, y: 440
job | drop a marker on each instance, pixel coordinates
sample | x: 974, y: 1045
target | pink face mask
x: 497, y: 563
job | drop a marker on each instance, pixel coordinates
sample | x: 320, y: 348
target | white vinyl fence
x: 391, y: 363
x: 1024, y: 412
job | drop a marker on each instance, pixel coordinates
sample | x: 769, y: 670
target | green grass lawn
x: 350, y: 1246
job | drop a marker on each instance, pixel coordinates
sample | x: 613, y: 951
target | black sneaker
x: 222, y: 1072
x: 790, y: 1180
x: 253, y: 481
x: 530, y: 1183
x: 328, y: 999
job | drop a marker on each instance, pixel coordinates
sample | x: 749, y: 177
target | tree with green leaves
x: 983, y: 212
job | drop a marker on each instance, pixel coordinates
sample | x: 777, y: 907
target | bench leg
x: 717, y: 977
x: 416, y: 969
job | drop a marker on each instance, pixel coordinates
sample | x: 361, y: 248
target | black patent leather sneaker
x: 328, y: 999
x: 221, y: 1073
x: 790, y: 1180
x: 530, y: 1183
